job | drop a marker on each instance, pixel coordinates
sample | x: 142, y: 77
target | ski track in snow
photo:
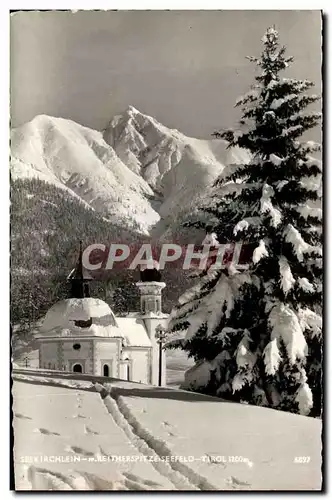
x: 182, y: 476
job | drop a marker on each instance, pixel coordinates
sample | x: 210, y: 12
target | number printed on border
x: 301, y: 460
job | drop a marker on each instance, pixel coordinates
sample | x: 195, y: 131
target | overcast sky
x: 185, y: 68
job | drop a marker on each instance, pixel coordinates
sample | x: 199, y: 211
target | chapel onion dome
x: 80, y: 317
x: 150, y: 271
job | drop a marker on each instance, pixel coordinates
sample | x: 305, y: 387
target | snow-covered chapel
x: 82, y: 334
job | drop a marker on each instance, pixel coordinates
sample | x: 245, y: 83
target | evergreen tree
x: 258, y: 331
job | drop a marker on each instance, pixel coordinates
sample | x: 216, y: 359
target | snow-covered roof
x: 67, y: 317
x: 134, y: 332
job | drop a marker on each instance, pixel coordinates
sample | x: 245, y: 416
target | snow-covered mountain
x: 178, y: 168
x: 136, y: 172
x: 77, y: 158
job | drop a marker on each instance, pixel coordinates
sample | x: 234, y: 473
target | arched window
x: 106, y: 371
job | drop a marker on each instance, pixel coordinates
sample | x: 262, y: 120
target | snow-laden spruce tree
x: 255, y: 334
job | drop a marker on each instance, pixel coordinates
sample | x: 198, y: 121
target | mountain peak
x: 132, y: 109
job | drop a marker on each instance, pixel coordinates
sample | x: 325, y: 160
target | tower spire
x: 79, y: 283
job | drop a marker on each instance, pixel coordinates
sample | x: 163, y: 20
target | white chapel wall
x: 48, y: 355
x: 107, y: 353
x: 140, y: 366
x: 83, y: 356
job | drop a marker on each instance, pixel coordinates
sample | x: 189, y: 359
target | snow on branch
x: 309, y: 320
x: 285, y: 325
x: 195, y: 322
x: 244, y: 357
x: 312, y: 161
x: 271, y: 36
x: 287, y: 279
x: 225, y: 332
x: 254, y: 59
x: 229, y: 170
x: 273, y: 83
x: 294, y: 237
x: 299, y: 85
x: 221, y: 301
x: 250, y: 96
x: 311, y: 146
x: 313, y: 183
x: 260, y: 252
x: 272, y: 357
x: 211, y: 239
x: 291, y: 130
x: 304, y: 399
x: 243, y: 224
x: 267, y: 207
x: 312, y: 115
x: 269, y: 116
x: 276, y: 160
x: 305, y: 285
x: 238, y: 382
x: 307, y: 211
x: 280, y: 184
x: 276, y: 103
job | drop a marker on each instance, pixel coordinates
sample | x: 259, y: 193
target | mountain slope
x: 78, y: 159
x: 137, y: 173
x: 178, y: 168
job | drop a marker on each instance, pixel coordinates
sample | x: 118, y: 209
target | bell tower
x: 150, y: 287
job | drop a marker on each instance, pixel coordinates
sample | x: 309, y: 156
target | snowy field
x: 80, y: 435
